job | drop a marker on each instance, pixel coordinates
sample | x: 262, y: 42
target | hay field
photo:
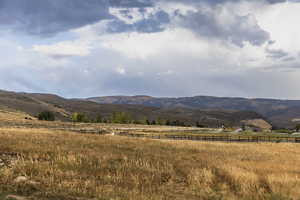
x: 68, y: 165
x: 15, y: 119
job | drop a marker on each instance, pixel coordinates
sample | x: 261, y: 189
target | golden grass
x: 66, y: 165
x: 11, y: 118
x: 7, y: 115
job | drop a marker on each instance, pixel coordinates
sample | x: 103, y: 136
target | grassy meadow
x: 68, y: 165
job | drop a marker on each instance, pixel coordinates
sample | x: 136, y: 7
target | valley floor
x: 41, y: 163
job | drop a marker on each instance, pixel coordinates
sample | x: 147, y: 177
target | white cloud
x: 166, y: 73
x: 64, y: 49
x: 281, y: 20
x: 121, y: 70
x: 174, y: 62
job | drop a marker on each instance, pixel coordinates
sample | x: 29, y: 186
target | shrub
x: 199, y: 125
x: 121, y: 118
x: 153, y: 122
x: 79, y: 117
x: 46, y: 116
x: 297, y: 127
x: 99, y: 119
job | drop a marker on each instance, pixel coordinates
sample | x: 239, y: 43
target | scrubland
x: 66, y: 165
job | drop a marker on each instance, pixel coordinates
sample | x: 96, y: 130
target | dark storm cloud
x: 276, y: 53
x: 276, y: 1
x: 154, y: 23
x: 213, y: 2
x: 48, y: 17
x: 267, y: 1
x: 241, y: 28
x: 52, y: 16
x: 131, y: 3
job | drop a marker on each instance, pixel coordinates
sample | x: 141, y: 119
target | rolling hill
x: 281, y: 113
x: 64, y: 108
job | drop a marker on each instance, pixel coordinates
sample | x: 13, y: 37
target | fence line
x: 221, y: 138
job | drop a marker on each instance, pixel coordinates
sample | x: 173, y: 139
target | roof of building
x: 258, y: 123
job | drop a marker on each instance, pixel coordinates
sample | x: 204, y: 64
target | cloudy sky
x: 83, y: 48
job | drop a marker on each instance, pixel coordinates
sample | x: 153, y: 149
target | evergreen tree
x: 168, y: 123
x: 297, y: 127
x: 46, y: 116
x: 199, y: 125
x: 99, y: 119
x: 148, y: 122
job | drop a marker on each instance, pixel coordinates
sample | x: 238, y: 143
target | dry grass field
x: 52, y: 160
x: 48, y: 164
x: 14, y: 119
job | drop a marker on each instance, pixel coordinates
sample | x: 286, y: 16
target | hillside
x: 63, y: 108
x: 281, y: 113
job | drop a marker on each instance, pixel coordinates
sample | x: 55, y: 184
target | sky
x: 169, y: 48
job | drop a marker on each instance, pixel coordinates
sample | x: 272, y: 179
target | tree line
x: 117, y: 118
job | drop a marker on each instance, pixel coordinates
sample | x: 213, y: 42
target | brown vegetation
x: 66, y: 165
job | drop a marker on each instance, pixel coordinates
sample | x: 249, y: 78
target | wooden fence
x: 221, y: 138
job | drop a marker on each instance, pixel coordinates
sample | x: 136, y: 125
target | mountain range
x: 280, y: 113
x: 205, y: 110
x: 33, y: 104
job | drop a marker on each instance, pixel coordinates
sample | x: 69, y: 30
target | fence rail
x: 214, y: 138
